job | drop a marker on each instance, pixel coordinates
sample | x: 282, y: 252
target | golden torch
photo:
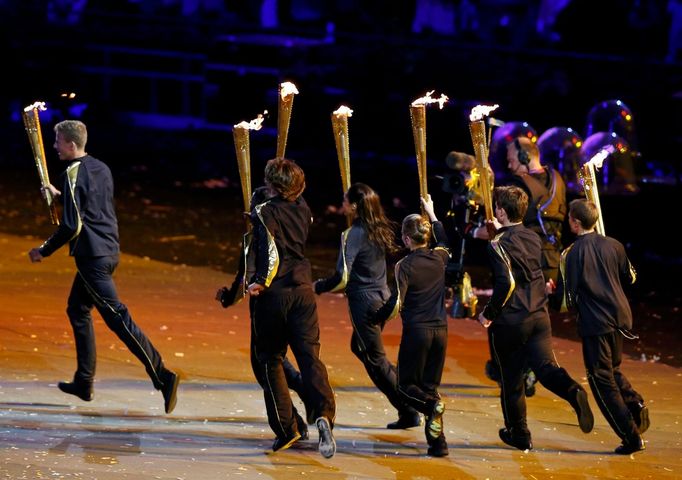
x: 287, y: 90
x: 241, y: 132
x: 418, y: 118
x: 242, y: 146
x: 340, y: 128
x: 485, y: 179
x: 32, y: 124
x: 588, y: 178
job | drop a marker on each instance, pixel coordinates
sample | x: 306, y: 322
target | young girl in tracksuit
x: 420, y: 299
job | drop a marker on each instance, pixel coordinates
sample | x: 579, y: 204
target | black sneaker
x: 640, y: 413
x: 583, y: 411
x: 630, y: 446
x: 301, y: 425
x: 327, y: 444
x: 407, y: 420
x: 81, y: 390
x: 170, y: 390
x: 438, y: 447
x: 284, y: 443
x: 522, y: 443
x: 434, y: 424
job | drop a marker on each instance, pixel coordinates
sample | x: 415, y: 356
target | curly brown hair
x: 285, y: 177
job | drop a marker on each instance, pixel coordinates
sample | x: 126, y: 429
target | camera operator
x: 462, y: 218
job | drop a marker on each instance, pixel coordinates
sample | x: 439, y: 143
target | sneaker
x: 81, y: 390
x: 406, y: 420
x: 630, y: 446
x: 327, y: 444
x: 438, y: 447
x: 301, y: 425
x: 530, y: 381
x: 522, y: 443
x: 284, y: 443
x: 583, y: 411
x: 170, y: 390
x: 434, y: 424
x: 641, y: 416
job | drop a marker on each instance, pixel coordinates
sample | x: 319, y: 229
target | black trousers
x: 94, y: 286
x: 420, y: 366
x: 367, y: 344
x: 287, y: 317
x: 292, y: 375
x: 611, y: 389
x: 516, y: 346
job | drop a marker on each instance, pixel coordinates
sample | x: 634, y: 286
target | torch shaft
x: 284, y: 107
x: 588, y: 178
x: 243, y: 151
x: 32, y: 125
x: 478, y: 139
x: 418, y: 117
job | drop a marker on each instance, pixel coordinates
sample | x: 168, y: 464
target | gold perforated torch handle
x: 478, y: 139
x: 340, y: 129
x: 35, y: 137
x: 480, y: 144
x: 588, y: 178
x: 418, y: 118
x: 285, y: 103
x: 243, y: 150
x: 242, y: 147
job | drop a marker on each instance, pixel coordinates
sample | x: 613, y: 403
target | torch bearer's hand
x: 484, y: 321
x: 49, y: 188
x: 35, y: 255
x: 255, y: 289
x: 427, y: 203
x: 492, y: 227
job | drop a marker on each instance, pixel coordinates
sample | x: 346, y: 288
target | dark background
x: 160, y: 84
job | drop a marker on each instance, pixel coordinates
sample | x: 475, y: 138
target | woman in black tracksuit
x: 420, y: 299
x: 361, y: 273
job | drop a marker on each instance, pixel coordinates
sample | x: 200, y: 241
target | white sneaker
x: 327, y: 445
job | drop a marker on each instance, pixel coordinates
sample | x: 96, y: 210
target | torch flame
x: 598, y: 159
x: 287, y: 88
x: 254, y: 124
x: 36, y: 105
x: 480, y: 111
x: 428, y: 99
x: 343, y: 110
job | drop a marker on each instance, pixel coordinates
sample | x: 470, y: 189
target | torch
x: 588, y: 179
x: 287, y: 90
x: 340, y: 128
x: 240, y: 132
x: 478, y: 138
x: 242, y: 147
x: 418, y: 118
x: 32, y: 125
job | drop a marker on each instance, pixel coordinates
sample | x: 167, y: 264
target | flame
x: 254, y: 124
x: 427, y: 99
x: 598, y: 158
x: 480, y: 111
x: 287, y: 88
x: 36, y: 105
x: 343, y: 110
